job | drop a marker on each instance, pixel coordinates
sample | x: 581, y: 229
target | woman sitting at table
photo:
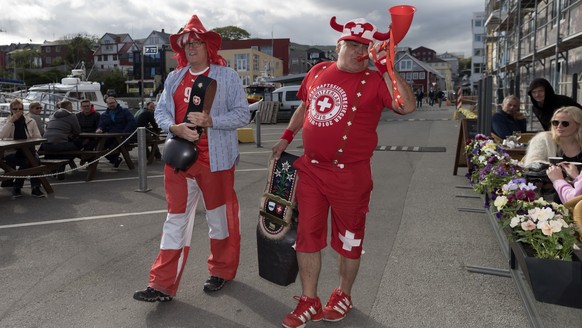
x: 563, y: 140
x: 19, y: 127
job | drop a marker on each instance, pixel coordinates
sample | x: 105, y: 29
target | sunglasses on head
x: 564, y: 123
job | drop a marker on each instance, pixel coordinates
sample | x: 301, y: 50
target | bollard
x: 142, y: 159
x: 258, y: 122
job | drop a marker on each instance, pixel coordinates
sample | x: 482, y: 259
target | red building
x: 424, y: 54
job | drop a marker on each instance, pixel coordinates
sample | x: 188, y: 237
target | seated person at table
x: 509, y: 119
x: 35, y: 111
x: 88, y: 119
x: 19, y: 127
x: 145, y: 118
x: 62, y: 131
x: 563, y: 140
x: 115, y: 120
x: 545, y: 101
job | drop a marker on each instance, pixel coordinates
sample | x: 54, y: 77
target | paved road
x: 75, y: 258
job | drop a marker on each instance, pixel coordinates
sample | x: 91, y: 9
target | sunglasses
x: 17, y: 109
x: 564, y: 123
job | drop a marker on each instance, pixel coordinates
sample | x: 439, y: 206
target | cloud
x: 441, y: 26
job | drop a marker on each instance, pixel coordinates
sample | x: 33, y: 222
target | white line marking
x: 87, y: 218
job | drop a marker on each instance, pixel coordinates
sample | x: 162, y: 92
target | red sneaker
x: 307, y: 309
x: 338, y: 306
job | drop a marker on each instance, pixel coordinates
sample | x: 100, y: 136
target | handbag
x: 180, y: 153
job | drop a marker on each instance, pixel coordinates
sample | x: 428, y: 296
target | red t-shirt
x: 181, y: 98
x: 329, y: 96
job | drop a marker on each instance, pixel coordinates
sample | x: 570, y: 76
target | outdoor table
x: 101, y: 138
x: 35, y: 169
x: 516, y: 153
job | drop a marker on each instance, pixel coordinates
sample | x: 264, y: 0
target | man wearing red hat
x: 211, y: 176
x: 341, y: 106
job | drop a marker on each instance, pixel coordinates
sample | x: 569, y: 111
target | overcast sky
x: 439, y: 25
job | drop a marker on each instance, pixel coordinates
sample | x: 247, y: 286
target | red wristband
x: 381, y: 65
x: 287, y: 135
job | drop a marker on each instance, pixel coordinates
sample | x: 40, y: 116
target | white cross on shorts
x: 349, y: 241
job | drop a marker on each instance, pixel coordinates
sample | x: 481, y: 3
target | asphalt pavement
x: 75, y: 258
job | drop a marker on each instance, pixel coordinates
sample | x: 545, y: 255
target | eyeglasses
x: 17, y: 109
x: 564, y: 123
x: 195, y: 43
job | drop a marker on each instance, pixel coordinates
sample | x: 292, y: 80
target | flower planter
x: 552, y: 281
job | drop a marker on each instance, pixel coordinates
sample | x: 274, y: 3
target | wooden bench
x: 84, y: 155
x: 152, y: 147
x: 31, y: 171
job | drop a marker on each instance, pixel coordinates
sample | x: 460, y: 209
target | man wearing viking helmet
x: 341, y: 106
x: 200, y: 69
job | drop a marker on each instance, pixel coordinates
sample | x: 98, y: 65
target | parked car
x: 288, y: 101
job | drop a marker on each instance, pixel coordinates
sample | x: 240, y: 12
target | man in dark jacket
x: 510, y: 119
x: 545, y: 101
x: 62, y: 130
x: 88, y: 119
x: 115, y: 120
x: 145, y: 118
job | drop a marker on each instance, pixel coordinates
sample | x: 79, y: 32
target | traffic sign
x: 150, y: 50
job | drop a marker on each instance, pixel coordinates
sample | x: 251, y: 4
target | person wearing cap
x: 211, y: 176
x: 341, y: 107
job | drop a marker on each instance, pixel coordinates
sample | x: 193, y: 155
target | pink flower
x: 528, y: 225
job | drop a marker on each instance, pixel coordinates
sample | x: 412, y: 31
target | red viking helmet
x: 359, y: 30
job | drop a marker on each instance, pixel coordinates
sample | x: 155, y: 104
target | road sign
x: 152, y: 50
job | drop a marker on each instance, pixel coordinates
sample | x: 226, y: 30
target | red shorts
x: 347, y: 192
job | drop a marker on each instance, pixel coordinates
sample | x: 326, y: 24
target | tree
x: 232, y: 33
x: 80, y: 48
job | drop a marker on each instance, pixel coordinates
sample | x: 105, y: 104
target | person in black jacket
x: 88, y: 119
x: 115, y: 119
x: 545, y: 101
x: 509, y: 119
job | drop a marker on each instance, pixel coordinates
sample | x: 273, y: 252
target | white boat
x: 74, y: 88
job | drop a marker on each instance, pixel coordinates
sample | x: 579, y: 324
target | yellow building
x: 252, y: 65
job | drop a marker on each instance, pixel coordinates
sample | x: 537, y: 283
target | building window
x: 255, y: 62
x: 114, y: 57
x: 478, y: 22
x: 405, y: 65
x: 477, y: 52
x: 241, y: 62
x: 415, y: 76
x: 421, y: 75
x: 267, y: 50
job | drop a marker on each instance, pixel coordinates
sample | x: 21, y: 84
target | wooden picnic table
x: 100, y: 149
x: 35, y: 168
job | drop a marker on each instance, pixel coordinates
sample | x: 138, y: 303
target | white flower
x: 515, y: 221
x: 500, y: 202
x: 549, y: 227
x: 541, y: 214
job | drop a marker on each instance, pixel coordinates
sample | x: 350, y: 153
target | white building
x: 478, y: 49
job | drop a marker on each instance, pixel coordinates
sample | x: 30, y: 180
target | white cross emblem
x: 349, y: 240
x: 357, y: 30
x: 324, y: 104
